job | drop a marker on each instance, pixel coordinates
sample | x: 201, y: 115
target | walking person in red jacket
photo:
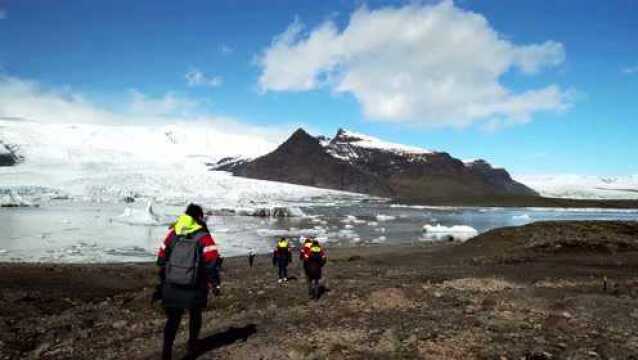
x: 188, y: 269
x: 315, y: 258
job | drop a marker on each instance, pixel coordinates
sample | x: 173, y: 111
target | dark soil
x: 551, y: 290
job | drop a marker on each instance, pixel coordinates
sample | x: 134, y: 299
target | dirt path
x: 445, y: 301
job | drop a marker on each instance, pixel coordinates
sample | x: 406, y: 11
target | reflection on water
x: 66, y: 231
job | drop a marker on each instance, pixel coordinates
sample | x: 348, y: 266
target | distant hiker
x: 304, y: 253
x: 315, y: 260
x: 281, y: 257
x: 304, y: 247
x: 188, y: 269
x: 251, y: 257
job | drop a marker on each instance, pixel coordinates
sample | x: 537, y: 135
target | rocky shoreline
x: 548, y: 290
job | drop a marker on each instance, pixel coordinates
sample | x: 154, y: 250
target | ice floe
x: 522, y: 217
x: 147, y: 216
x: 382, y: 217
x: 454, y: 232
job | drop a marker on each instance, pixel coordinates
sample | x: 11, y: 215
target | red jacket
x: 187, y: 225
x: 207, y: 242
x: 304, y: 251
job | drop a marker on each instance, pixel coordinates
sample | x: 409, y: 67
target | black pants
x: 313, y: 288
x: 173, y: 318
x: 283, y: 269
x: 251, y: 260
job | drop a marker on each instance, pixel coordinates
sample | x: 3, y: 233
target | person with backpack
x: 315, y: 259
x: 281, y: 257
x: 188, y: 269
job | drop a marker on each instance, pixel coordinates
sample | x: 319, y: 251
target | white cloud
x: 424, y: 64
x: 166, y: 105
x: 28, y: 100
x: 195, y: 77
x: 225, y: 49
x: 630, y: 70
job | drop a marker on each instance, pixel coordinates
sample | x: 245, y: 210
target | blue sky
x: 583, y: 72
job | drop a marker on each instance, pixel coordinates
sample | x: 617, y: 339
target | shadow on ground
x: 223, y: 338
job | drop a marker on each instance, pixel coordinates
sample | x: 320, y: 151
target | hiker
x: 251, y: 257
x: 304, y: 252
x: 281, y: 257
x: 188, y: 269
x: 304, y: 246
x: 315, y: 260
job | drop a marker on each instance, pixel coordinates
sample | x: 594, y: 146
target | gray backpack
x: 183, y: 261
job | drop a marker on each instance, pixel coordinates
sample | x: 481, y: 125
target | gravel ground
x: 550, y: 290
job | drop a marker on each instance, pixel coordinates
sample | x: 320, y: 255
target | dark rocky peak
x: 9, y: 155
x: 478, y: 164
x: 300, y: 138
x: 301, y: 134
x: 344, y: 136
x: 323, y: 139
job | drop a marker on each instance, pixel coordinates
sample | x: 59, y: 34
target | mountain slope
x: 302, y: 159
x: 360, y: 163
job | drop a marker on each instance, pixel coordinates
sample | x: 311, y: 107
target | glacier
x: 582, y: 186
x: 164, y: 163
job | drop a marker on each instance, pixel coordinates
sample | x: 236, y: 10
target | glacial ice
x: 455, y: 232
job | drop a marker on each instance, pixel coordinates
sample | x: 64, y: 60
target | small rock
x: 566, y: 315
x: 41, y: 349
x: 119, y: 324
x: 411, y: 340
x: 437, y: 294
x: 593, y: 354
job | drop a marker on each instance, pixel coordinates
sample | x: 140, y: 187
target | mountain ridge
x: 364, y: 164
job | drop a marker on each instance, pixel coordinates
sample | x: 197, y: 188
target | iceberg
x: 455, y: 232
x: 141, y: 217
x: 382, y: 217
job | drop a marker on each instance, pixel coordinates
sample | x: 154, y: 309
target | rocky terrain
x: 551, y: 290
x: 359, y: 163
x: 8, y: 156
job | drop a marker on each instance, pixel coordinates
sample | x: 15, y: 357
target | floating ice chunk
x: 455, y: 232
x: 12, y: 199
x: 380, y: 230
x: 3, y: 251
x: 382, y: 217
x: 379, y: 239
x: 348, y: 226
x: 141, y: 217
x: 274, y: 211
x: 373, y: 223
x: 347, y: 234
x: 289, y: 233
x: 523, y: 217
x: 349, y: 219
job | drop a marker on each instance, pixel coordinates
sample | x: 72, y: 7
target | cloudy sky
x: 531, y: 86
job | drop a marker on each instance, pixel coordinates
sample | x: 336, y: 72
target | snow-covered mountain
x: 583, y: 187
x: 110, y: 162
x: 359, y: 163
